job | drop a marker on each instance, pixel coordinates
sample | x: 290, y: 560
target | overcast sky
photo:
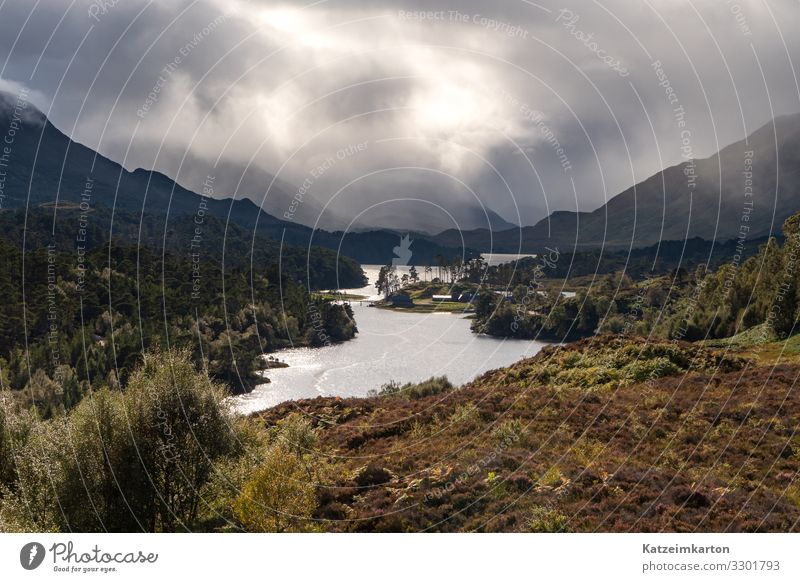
x: 469, y: 103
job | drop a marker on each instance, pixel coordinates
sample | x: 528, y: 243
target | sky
x: 395, y: 112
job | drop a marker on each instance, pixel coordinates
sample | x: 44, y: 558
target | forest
x: 80, y: 318
x: 704, y: 300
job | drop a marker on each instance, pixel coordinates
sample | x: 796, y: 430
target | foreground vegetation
x: 603, y: 435
x: 165, y: 454
x: 606, y: 434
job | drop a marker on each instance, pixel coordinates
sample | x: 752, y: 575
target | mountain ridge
x: 659, y: 208
x: 46, y: 167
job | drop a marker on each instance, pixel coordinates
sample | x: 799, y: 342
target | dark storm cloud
x: 485, y: 97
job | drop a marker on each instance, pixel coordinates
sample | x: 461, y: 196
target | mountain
x: 277, y: 197
x: 487, y: 215
x: 704, y: 198
x: 43, y: 167
x: 271, y: 194
x: 425, y: 217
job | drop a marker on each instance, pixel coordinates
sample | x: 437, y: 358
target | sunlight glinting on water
x: 390, y: 345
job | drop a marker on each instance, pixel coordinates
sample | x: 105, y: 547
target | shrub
x: 178, y: 425
x: 29, y: 504
x: 296, y: 434
x: 414, y: 391
x: 391, y: 388
x: 546, y: 520
x: 15, y: 428
x: 372, y: 475
x: 509, y: 431
x: 278, y: 497
x: 128, y: 461
x: 90, y: 496
x: 553, y: 477
x: 430, y: 387
x: 465, y: 418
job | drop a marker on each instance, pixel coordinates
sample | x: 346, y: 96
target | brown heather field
x: 602, y: 435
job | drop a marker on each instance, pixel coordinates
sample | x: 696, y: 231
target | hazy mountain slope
x: 665, y: 207
x: 45, y: 166
x: 273, y: 195
x: 421, y: 217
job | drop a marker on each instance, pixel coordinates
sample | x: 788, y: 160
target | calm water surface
x: 390, y: 345
x: 493, y: 259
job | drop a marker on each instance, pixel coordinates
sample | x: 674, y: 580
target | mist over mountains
x: 745, y: 191
x: 430, y: 213
x: 44, y: 169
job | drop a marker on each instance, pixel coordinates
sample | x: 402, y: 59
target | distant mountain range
x: 276, y: 196
x: 45, y: 168
x: 709, y: 198
x: 403, y: 216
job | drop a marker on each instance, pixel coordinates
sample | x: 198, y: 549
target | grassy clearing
x: 761, y: 344
x: 431, y: 307
x: 341, y: 296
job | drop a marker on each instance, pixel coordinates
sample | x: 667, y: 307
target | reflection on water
x: 390, y: 345
x: 493, y: 259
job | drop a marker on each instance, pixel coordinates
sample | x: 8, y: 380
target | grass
x: 431, y: 307
x: 607, y: 362
x: 759, y: 343
x: 757, y: 335
x: 421, y: 294
x: 341, y: 296
x: 776, y: 352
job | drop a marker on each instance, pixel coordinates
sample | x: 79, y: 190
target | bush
x: 414, y: 391
x: 15, y: 428
x: 127, y: 461
x: 372, y: 475
x: 390, y: 388
x: 29, y: 504
x: 546, y: 520
x: 279, y: 497
x: 509, y: 431
x: 178, y: 425
x: 296, y: 434
x: 465, y: 418
x: 90, y: 467
x: 435, y: 385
